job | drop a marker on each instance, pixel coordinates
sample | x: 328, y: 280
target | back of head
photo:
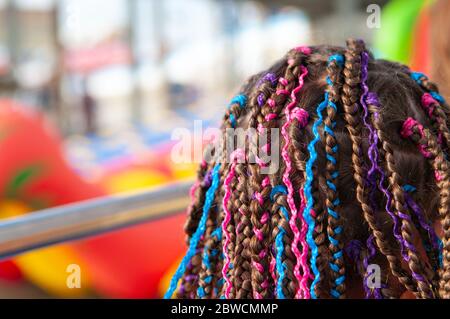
x: 334, y: 189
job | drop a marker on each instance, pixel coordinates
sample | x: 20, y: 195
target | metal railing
x: 91, y: 217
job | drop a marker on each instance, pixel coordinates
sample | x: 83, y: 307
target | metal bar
x: 90, y: 217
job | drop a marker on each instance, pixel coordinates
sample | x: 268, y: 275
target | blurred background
x: 90, y: 91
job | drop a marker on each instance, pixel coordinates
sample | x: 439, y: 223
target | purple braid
x: 272, y: 78
x: 417, y: 210
x: 371, y: 252
x: 434, y: 250
x: 372, y: 99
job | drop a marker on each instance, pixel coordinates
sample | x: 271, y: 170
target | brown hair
x: 358, y: 184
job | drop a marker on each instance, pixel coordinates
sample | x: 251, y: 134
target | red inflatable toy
x: 127, y: 263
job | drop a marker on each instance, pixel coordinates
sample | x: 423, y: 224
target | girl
x: 359, y: 203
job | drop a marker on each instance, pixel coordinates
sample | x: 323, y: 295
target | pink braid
x: 259, y: 235
x: 306, y: 274
x: 407, y: 131
x: 272, y: 270
x: 234, y: 157
x: 303, y: 49
x: 301, y: 291
x: 429, y: 103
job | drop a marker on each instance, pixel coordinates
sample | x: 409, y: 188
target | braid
x: 398, y: 203
x: 437, y: 115
x: 427, y: 232
x: 259, y: 241
x: 207, y: 275
x: 299, y: 237
x: 429, y: 147
x: 235, y: 110
x: 259, y: 207
x: 311, y: 212
x: 319, y: 214
x: 241, y: 272
x: 209, y: 252
x: 284, y: 259
x: 407, y: 226
x: 432, y: 102
x: 335, y: 226
x: 209, y: 198
x: 190, y: 280
x: 429, y: 86
x: 227, y: 224
x: 209, y: 272
x: 350, y: 99
x: 372, y: 104
x: 390, y: 164
x: 197, y: 192
x: 298, y: 177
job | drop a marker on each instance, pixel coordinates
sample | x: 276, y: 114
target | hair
x: 362, y: 179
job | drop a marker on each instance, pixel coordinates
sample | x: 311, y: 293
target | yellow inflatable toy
x: 51, y: 269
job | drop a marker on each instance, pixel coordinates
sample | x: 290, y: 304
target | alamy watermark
x: 74, y: 278
x: 260, y: 145
x: 374, y: 19
x: 373, y: 277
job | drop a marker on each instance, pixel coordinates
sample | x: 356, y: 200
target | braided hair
x: 363, y: 176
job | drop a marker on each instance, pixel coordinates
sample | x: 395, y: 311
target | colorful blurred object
x: 130, y: 263
x: 405, y: 35
x: 10, y: 271
x: 394, y: 39
x: 35, y: 177
x: 420, y: 53
x: 33, y: 169
x: 127, y: 263
x: 47, y: 268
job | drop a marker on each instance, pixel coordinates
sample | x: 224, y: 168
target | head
x: 349, y: 210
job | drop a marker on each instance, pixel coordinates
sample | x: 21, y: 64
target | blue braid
x: 209, y: 199
x: 309, y: 181
x: 330, y: 183
x: 339, y: 58
x: 308, y: 194
x: 240, y: 99
x: 276, y: 190
x: 207, y: 254
x: 233, y: 120
x: 279, y: 243
x: 417, y: 76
